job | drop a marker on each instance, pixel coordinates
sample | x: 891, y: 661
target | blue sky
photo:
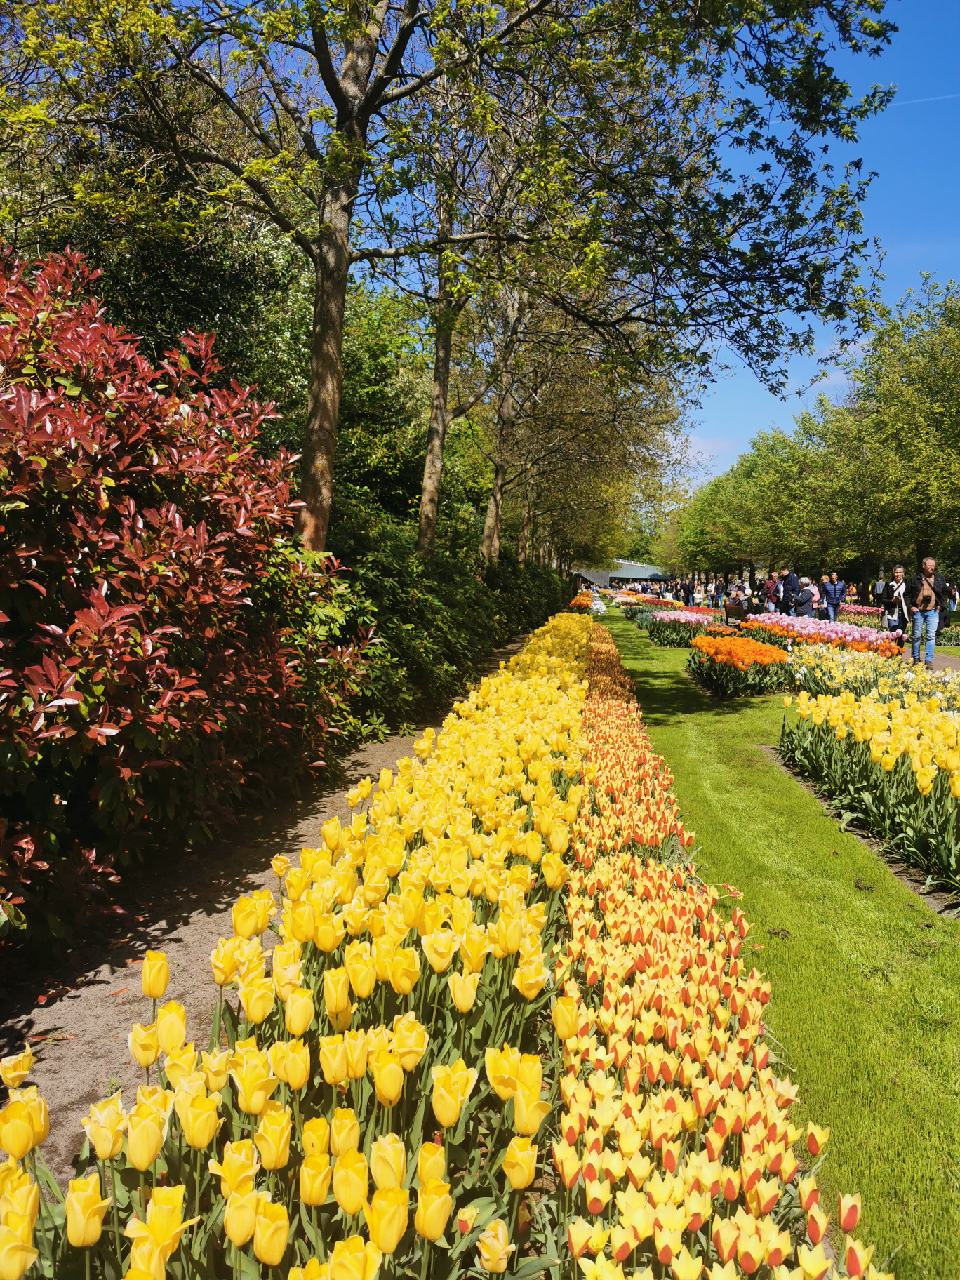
x: 913, y: 209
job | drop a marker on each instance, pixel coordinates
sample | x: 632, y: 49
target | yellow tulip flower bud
x: 355, y: 1048
x: 502, y: 1066
x: 143, y: 1044
x: 316, y: 1135
x: 520, y: 1163
x: 15, y: 1068
x: 171, y: 1026
x: 333, y: 1059
x: 271, y: 1232
x: 180, y: 1063
x: 254, y: 1086
x: 410, y: 1040
x: 146, y: 1130
x: 336, y: 991
x: 223, y: 961
x: 530, y: 978
x: 566, y: 1018
x: 238, y: 1168
x: 16, y: 1130
x: 358, y: 962
x: 529, y: 1112
x: 328, y: 931
x: 431, y: 1163
x: 155, y: 974
x: 344, y: 1131
x: 388, y: 1077
x: 388, y: 1161
x: 387, y: 1215
x: 440, y: 947
x: 257, y: 998
x: 315, y: 1174
x: 272, y: 1137
x: 216, y: 1069
x: 494, y: 1247
x: 199, y: 1118
x: 404, y: 970
x: 17, y: 1255
x: 474, y: 946
x: 463, y: 990
x: 298, y: 1011
x: 434, y: 1206
x: 85, y: 1209
x: 350, y: 1181
x: 245, y: 917
x: 104, y: 1125
x: 354, y: 1259
x: 240, y: 1217
x: 280, y: 865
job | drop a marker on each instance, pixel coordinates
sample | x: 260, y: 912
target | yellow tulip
x: 356, y: 1049
x: 494, y: 1247
x: 316, y: 1135
x: 354, y: 1259
x: 410, y: 1040
x: 350, y: 1181
x: 237, y: 1169
x: 171, y: 1026
x: 328, y: 932
x: 16, y: 1068
x: 332, y: 1052
x: 254, y: 1085
x: 440, y: 947
x: 180, y: 1063
x: 270, y: 1232
x: 431, y: 1163
x: 387, y: 1215
x: 223, y: 961
x: 155, y: 974
x: 16, y: 1130
x: 298, y: 1011
x: 280, y: 865
x: 146, y: 1130
x: 344, y: 1131
x: 143, y: 1044
x: 85, y: 1209
x: 290, y: 1062
x: 388, y: 1077
x: 474, y: 947
x: 336, y: 991
x: 530, y: 978
x: 17, y: 1256
x: 104, y: 1125
x: 272, y: 1137
x: 257, y: 996
x: 199, y: 1118
x: 520, y: 1163
x: 388, y: 1161
x: 404, y: 970
x: 502, y: 1066
x: 216, y: 1069
x: 463, y: 990
x: 565, y: 1017
x: 19, y: 1197
x: 315, y: 1174
x: 434, y: 1206
x: 452, y: 1086
x: 358, y: 962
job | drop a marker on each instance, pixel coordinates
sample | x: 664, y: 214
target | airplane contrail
x: 913, y: 102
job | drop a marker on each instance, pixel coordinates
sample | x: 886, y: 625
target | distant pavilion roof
x: 623, y: 571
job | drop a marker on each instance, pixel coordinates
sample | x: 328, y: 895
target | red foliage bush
x: 142, y: 687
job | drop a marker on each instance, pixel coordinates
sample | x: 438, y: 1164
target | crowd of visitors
x: 918, y: 606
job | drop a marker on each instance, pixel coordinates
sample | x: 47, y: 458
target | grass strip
x: 866, y: 979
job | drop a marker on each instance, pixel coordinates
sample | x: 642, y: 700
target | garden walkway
x: 80, y: 1035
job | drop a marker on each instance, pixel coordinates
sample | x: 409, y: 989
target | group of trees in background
x: 558, y: 211
x: 859, y: 483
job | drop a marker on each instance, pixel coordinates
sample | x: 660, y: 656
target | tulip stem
x: 115, y: 1210
x: 86, y: 1263
x: 425, y: 1261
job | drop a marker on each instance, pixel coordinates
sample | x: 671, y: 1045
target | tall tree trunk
x: 490, y: 545
x: 326, y: 371
x: 436, y: 434
x: 526, y: 528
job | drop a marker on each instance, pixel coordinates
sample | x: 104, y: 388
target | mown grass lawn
x: 866, y: 978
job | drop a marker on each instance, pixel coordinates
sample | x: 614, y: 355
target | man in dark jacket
x: 789, y: 590
x: 836, y: 593
x: 926, y: 596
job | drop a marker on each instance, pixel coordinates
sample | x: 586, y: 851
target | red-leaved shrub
x: 142, y: 685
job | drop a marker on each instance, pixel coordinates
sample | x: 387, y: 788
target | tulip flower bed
x: 360, y: 1112
x: 736, y: 666
x: 348, y: 1108
x: 581, y: 602
x: 895, y: 766
x: 863, y: 615
x: 676, y: 1144
x: 675, y: 628
x: 780, y: 628
x: 823, y: 669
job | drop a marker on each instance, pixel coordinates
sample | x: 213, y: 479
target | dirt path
x: 80, y: 1038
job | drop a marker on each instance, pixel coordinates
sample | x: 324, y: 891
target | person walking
x: 805, y: 603
x: 770, y: 592
x: 894, y: 601
x: 836, y: 591
x: 789, y: 590
x: 822, y: 608
x: 926, y: 596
